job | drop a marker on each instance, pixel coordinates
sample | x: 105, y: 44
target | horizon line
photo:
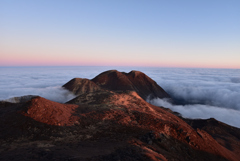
x: 22, y: 66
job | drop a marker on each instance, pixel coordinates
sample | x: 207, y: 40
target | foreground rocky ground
x: 106, y: 123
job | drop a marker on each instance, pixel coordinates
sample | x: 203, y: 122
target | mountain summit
x: 114, y: 80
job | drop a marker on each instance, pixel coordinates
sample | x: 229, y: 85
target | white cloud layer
x: 228, y: 116
x: 204, y: 93
x: 42, y: 81
x: 215, y: 87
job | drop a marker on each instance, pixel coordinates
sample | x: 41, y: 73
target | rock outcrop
x: 107, y: 124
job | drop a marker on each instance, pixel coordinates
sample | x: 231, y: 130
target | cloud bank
x: 214, y: 87
x: 198, y: 93
x: 57, y: 94
x: 42, y: 81
x: 228, y: 116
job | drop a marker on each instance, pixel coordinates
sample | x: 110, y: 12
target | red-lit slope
x: 49, y: 112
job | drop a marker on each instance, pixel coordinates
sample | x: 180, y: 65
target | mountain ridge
x: 114, y: 80
x: 104, y: 124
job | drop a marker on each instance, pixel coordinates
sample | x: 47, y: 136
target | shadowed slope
x: 145, y: 86
x: 80, y: 86
x: 224, y: 134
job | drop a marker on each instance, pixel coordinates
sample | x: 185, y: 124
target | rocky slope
x: 114, y: 80
x: 80, y: 86
x: 224, y: 134
x: 109, y: 125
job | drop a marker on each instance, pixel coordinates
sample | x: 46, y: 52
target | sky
x: 159, y: 33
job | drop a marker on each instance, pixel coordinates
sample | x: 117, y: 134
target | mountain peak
x: 134, y: 81
x: 81, y: 85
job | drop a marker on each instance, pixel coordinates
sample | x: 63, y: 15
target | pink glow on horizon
x: 38, y: 59
x: 87, y: 62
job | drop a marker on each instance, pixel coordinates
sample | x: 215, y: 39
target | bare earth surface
x: 109, y: 124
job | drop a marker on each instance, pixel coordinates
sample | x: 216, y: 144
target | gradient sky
x: 164, y: 33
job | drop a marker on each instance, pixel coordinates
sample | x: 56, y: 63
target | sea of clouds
x: 201, y: 93
x: 42, y: 81
x: 198, y: 93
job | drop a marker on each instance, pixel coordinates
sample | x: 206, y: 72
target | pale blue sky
x: 204, y: 33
